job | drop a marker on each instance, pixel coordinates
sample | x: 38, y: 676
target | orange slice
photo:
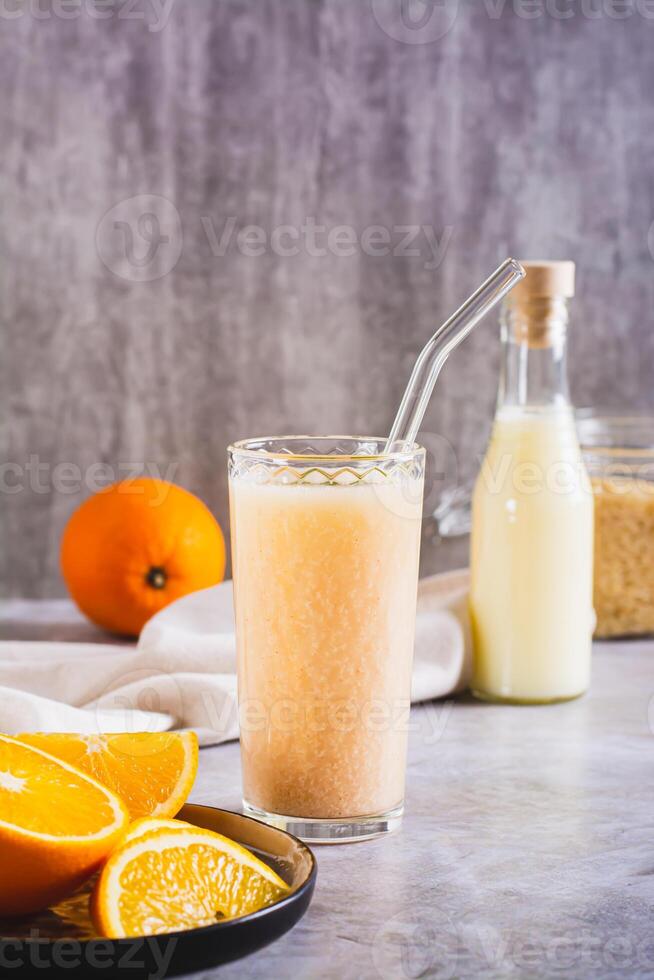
x: 153, y: 773
x: 56, y: 826
x: 147, y: 824
x: 173, y: 878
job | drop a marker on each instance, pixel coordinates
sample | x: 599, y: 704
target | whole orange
x: 134, y: 547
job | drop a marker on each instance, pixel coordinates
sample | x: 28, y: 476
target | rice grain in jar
x: 619, y: 455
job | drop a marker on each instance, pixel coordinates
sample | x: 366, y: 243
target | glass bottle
x: 532, y: 514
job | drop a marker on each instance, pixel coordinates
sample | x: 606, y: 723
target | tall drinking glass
x: 325, y: 547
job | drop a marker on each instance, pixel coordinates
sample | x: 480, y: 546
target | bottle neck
x: 534, y: 371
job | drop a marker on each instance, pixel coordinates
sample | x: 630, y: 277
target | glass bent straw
x: 437, y: 350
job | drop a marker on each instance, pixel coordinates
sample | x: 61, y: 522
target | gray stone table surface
x: 527, y: 848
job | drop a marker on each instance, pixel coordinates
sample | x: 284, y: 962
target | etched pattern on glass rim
x: 371, y: 468
x: 255, y: 471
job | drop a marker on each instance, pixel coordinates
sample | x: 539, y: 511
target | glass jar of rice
x: 619, y: 455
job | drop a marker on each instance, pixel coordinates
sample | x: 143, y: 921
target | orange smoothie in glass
x: 325, y: 555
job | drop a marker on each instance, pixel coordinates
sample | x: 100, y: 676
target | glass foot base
x: 340, y: 831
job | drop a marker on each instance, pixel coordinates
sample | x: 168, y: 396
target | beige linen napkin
x: 182, y: 672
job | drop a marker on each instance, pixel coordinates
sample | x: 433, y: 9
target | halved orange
x: 152, y: 772
x: 56, y: 826
x: 173, y: 878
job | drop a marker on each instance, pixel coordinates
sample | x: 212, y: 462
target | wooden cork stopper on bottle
x: 536, y: 306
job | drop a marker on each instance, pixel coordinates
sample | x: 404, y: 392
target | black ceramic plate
x: 62, y: 942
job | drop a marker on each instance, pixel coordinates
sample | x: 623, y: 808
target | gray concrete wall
x: 135, y: 341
